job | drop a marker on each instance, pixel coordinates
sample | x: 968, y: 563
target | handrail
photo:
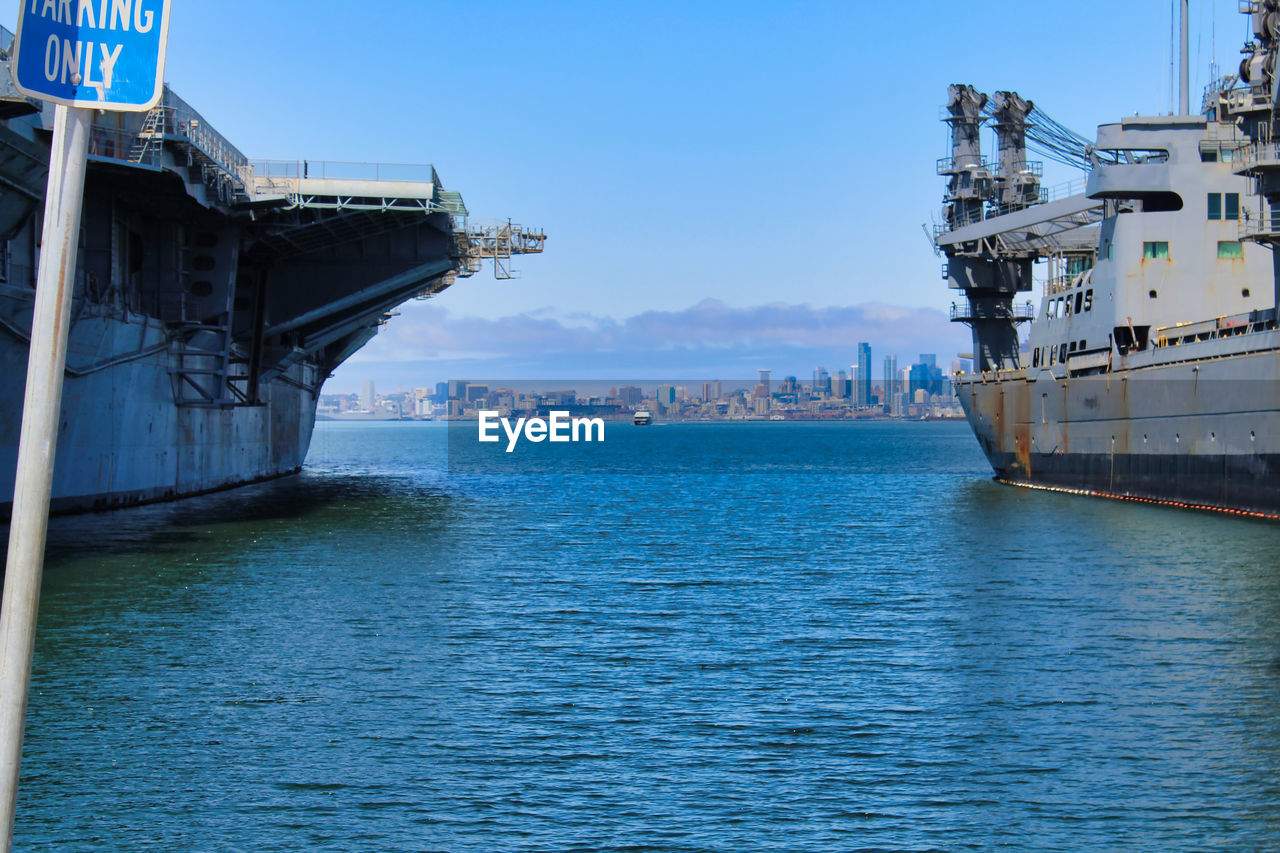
x: 182, y: 121
x: 946, y: 165
x: 963, y: 312
x: 176, y: 120
x: 343, y: 170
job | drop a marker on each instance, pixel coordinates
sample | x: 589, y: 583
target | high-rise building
x: 763, y: 379
x: 840, y: 386
x: 891, y: 384
x: 918, y: 380
x: 821, y: 381
x: 367, y: 396
x: 706, y: 391
x: 925, y: 374
x: 717, y: 390
x: 862, y: 394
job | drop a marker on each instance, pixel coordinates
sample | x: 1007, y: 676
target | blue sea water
x: 769, y: 636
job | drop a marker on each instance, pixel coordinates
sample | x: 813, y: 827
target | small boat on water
x: 643, y: 418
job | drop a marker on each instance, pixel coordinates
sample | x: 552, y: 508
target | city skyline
x: 826, y: 395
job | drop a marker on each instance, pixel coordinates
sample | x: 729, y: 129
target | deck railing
x: 344, y: 171
x: 182, y: 121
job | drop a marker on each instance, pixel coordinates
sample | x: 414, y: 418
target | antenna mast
x: 1184, y: 86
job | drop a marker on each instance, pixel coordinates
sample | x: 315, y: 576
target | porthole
x: 1151, y: 294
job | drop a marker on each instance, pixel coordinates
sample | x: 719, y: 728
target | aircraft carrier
x: 213, y: 295
x: 1151, y: 368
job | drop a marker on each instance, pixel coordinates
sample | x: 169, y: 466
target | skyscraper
x: 891, y: 384
x: 862, y: 394
x: 367, y: 396
x: 840, y: 386
x: 821, y: 381
x: 764, y: 380
x: 855, y: 383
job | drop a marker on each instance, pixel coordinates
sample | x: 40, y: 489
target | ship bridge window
x: 1214, y: 152
x: 1077, y: 265
x: 1224, y: 206
x: 1088, y: 299
x: 1155, y: 249
x: 1230, y: 249
x: 1079, y: 302
x: 1134, y: 155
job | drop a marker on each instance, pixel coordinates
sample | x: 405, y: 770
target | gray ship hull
x: 123, y: 441
x: 1197, y: 432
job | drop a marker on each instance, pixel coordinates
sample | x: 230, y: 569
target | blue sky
x: 748, y: 153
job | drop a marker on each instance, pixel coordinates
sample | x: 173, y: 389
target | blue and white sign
x: 107, y: 54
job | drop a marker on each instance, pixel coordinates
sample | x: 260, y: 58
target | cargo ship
x: 1150, y: 369
x: 213, y: 294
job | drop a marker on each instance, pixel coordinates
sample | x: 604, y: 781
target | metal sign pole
x: 41, y: 413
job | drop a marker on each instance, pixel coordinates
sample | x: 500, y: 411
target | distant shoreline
x: 662, y: 422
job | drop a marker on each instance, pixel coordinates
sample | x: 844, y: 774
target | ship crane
x: 1000, y: 221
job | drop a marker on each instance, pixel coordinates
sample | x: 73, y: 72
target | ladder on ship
x: 150, y: 134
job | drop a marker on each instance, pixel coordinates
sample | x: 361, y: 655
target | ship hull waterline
x: 1192, y: 434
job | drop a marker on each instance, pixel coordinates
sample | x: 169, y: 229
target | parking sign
x: 106, y: 54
